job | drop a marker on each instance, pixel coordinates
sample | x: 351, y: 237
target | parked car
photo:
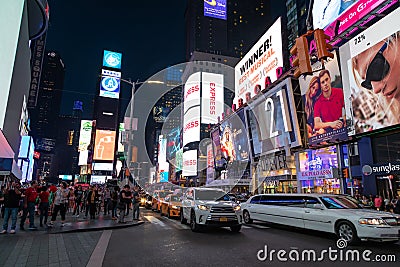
x: 158, y: 197
x: 210, y: 207
x: 149, y: 201
x: 339, y: 214
x: 171, y: 206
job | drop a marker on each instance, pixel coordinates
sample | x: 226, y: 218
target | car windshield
x: 175, y: 198
x: 340, y: 202
x: 210, y: 195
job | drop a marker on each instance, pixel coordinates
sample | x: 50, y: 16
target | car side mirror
x: 318, y: 206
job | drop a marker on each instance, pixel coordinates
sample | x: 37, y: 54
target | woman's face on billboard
x: 383, y: 67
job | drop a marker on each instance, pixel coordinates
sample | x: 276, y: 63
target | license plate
x: 223, y: 219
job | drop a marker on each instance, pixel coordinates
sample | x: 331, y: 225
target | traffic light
x: 345, y: 172
x: 302, y: 60
x: 323, y: 47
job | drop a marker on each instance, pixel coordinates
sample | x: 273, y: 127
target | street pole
x: 130, y: 139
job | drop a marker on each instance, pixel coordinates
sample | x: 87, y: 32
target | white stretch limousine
x: 337, y: 214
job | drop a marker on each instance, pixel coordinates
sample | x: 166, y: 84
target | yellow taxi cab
x: 171, y: 206
x: 158, y: 197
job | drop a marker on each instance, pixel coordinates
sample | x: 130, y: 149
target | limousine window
x: 292, y: 201
x: 340, y: 202
x: 255, y: 200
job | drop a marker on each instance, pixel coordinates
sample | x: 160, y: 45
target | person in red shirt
x: 29, y: 206
x: 44, y: 205
x: 329, y: 112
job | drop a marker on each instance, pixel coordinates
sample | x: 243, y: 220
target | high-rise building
x: 296, y: 12
x: 245, y: 22
x: 45, y: 116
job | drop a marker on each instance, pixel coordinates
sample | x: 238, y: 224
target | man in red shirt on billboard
x: 29, y: 206
x: 329, y: 112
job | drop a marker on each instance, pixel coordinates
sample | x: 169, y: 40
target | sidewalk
x: 71, y: 245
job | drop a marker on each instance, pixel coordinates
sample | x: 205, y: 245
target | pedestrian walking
x: 136, y: 203
x: 124, y: 201
x: 114, y: 202
x: 92, y: 199
x: 30, y: 199
x: 378, y: 202
x: 12, y: 196
x: 60, y: 204
x: 107, y: 200
x: 44, y: 205
x: 78, y: 193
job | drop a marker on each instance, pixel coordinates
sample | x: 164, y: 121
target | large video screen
x: 371, y: 69
x: 324, y: 104
x: 215, y: 9
x: 104, y: 145
x: 173, y: 142
x: 216, y: 142
x: 234, y: 139
x: 276, y: 120
x: 212, y: 97
x: 317, y: 163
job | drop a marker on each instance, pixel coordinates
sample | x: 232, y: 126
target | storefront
x: 317, y: 171
x: 387, y: 177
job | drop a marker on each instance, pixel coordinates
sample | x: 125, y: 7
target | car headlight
x: 236, y: 208
x: 371, y: 221
x: 203, y: 207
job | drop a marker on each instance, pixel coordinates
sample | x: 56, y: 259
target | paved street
x: 166, y: 242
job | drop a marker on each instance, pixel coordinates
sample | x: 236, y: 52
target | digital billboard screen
x: 191, y: 125
x: 325, y: 12
x: 371, y: 69
x: 261, y: 66
x: 216, y: 142
x: 104, y: 145
x: 109, y: 87
x: 324, y: 104
x: 173, y: 142
x: 275, y: 115
x: 215, y: 9
x: 317, y: 163
x: 212, y: 97
x: 85, y: 135
x: 191, y: 92
x: 112, y: 59
x: 189, y: 163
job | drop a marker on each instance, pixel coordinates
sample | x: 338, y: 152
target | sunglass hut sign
x: 388, y: 168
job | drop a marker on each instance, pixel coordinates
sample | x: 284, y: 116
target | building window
x: 70, y: 137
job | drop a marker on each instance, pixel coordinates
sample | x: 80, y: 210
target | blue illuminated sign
x: 215, y: 9
x: 109, y: 87
x: 112, y: 59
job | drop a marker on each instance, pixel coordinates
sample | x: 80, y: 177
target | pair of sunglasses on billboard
x: 377, y: 69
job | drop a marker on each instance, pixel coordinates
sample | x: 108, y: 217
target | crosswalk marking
x: 157, y: 222
x: 171, y: 223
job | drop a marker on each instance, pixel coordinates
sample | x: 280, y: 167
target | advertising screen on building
x: 189, y: 163
x: 276, y: 118
x: 216, y: 142
x: 46, y: 144
x: 317, y: 163
x: 371, y: 69
x: 261, y: 66
x: 65, y: 177
x: 234, y: 139
x: 215, y: 9
x: 163, y: 168
x: 191, y: 92
x: 98, y: 179
x: 162, y: 149
x: 347, y: 13
x: 324, y: 104
x: 85, y: 135
x: 112, y: 59
x: 210, y: 164
x: 110, y: 84
x: 104, y: 145
x: 191, y: 125
x: 83, y: 158
x: 173, y: 142
x: 24, y: 146
x: 97, y: 166
x: 254, y: 133
x: 121, y: 137
x: 212, y: 97
x: 160, y: 114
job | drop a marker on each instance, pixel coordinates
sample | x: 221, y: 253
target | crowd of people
x: 380, y: 203
x: 46, y: 201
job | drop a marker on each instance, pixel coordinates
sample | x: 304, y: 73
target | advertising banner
x: 189, y: 163
x: 326, y: 11
x: 109, y: 87
x: 216, y: 142
x: 215, y: 9
x: 274, y: 114
x: 163, y: 168
x: 160, y: 114
x: 112, y: 59
x: 212, y: 97
x: 371, y: 70
x: 210, y: 164
x: 85, y: 135
x: 316, y: 164
x: 83, y: 157
x: 234, y: 139
x: 162, y: 149
x: 324, y: 104
x: 104, y: 145
x: 97, y: 166
x: 173, y: 142
x: 261, y: 66
x: 24, y: 147
x: 121, y: 137
x: 191, y: 125
x: 46, y: 144
x: 191, y: 92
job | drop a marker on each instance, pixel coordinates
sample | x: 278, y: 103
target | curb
x: 117, y: 226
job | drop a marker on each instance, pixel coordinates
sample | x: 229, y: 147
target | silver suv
x: 210, y: 207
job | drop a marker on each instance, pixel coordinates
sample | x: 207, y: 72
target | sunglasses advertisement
x: 324, y: 105
x: 371, y: 71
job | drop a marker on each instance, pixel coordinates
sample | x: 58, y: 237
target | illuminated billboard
x: 173, y: 142
x: 24, y: 146
x: 189, y: 163
x: 371, y: 70
x: 83, y: 158
x: 210, y: 164
x: 160, y: 114
x: 191, y: 126
x: 234, y: 139
x: 112, y: 59
x: 276, y: 120
x: 162, y: 149
x: 324, y: 104
x: 85, y: 135
x: 163, y: 168
x: 261, y: 66
x: 317, y: 163
x: 110, y: 84
x: 215, y: 9
x: 97, y: 166
x: 212, y: 97
x: 104, y: 145
x: 191, y: 92
x: 216, y: 142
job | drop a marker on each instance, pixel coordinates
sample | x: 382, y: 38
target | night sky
x: 149, y: 34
